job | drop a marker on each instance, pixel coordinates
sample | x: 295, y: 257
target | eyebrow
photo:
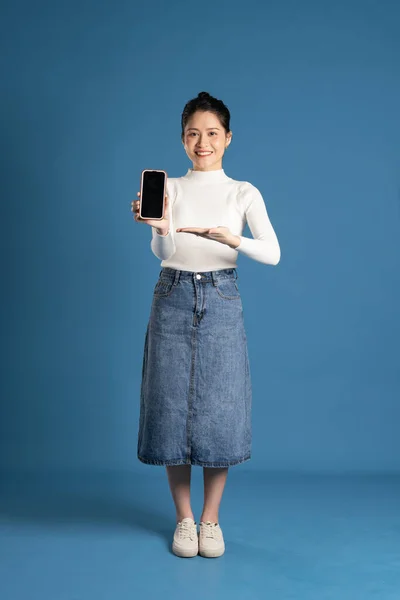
x: 189, y: 128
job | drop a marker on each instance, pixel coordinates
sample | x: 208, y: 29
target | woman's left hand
x: 218, y: 234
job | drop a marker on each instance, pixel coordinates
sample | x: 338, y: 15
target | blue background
x: 92, y: 93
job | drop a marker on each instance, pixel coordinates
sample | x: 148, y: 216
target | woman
x: 195, y: 403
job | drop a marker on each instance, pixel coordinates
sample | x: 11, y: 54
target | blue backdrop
x: 92, y: 93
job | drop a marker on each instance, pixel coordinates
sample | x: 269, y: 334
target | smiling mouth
x: 203, y: 153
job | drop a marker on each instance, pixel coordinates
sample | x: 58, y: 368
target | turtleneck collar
x: 215, y: 176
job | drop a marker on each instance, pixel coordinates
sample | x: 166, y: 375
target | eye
x: 213, y: 132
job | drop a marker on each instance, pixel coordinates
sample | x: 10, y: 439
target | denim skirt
x: 195, y: 395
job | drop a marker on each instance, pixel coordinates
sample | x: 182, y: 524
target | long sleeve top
x: 212, y: 199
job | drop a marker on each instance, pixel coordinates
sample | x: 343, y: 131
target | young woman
x: 196, y: 394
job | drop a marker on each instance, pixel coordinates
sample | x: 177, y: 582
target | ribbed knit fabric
x: 212, y: 199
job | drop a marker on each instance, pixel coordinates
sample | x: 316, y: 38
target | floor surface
x: 108, y: 537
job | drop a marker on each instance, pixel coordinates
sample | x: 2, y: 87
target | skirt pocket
x: 164, y: 287
x: 228, y: 289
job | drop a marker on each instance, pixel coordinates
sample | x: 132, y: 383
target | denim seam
x: 187, y: 461
x: 190, y: 397
x: 142, y: 417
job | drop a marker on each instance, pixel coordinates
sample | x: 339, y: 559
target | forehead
x: 203, y: 120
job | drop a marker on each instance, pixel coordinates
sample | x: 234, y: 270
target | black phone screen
x: 152, y: 197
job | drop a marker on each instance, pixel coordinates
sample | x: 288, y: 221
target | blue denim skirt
x: 195, y: 395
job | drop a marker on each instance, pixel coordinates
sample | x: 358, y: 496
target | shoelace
x: 187, y: 530
x: 210, y: 530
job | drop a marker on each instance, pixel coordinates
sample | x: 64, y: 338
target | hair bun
x: 204, y: 102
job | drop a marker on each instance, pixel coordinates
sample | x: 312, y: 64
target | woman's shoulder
x: 248, y: 194
x: 242, y: 184
x: 245, y: 188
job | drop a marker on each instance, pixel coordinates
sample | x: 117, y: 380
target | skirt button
x: 198, y: 276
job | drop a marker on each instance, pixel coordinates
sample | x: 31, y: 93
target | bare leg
x: 179, y: 483
x: 214, y: 484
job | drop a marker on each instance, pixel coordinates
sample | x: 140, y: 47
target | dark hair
x: 205, y: 102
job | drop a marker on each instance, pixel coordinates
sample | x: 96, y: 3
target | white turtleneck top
x: 212, y: 199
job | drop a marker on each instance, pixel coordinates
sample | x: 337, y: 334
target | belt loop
x: 214, y: 277
x: 176, y: 278
x: 236, y: 275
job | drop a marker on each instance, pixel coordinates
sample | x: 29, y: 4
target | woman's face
x: 205, y: 141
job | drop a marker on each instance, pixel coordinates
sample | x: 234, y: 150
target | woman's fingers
x: 135, y: 204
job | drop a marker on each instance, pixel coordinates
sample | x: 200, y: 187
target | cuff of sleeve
x: 240, y: 243
x: 244, y: 245
x: 160, y: 234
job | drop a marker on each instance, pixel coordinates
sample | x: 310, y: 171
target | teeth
x: 203, y: 153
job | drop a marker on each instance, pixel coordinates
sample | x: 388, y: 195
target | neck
x: 213, y: 176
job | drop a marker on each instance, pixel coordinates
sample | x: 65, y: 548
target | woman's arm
x: 264, y: 247
x: 163, y: 246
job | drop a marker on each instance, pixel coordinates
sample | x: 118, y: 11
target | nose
x: 200, y: 141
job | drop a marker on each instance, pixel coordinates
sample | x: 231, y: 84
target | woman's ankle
x: 209, y: 517
x: 184, y: 515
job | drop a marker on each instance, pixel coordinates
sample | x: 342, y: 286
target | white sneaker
x: 186, y: 541
x: 211, y: 540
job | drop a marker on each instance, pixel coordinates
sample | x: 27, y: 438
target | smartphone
x: 153, y: 188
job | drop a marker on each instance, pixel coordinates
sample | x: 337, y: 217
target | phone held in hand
x: 153, y: 188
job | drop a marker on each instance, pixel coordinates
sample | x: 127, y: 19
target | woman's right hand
x: 162, y: 225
